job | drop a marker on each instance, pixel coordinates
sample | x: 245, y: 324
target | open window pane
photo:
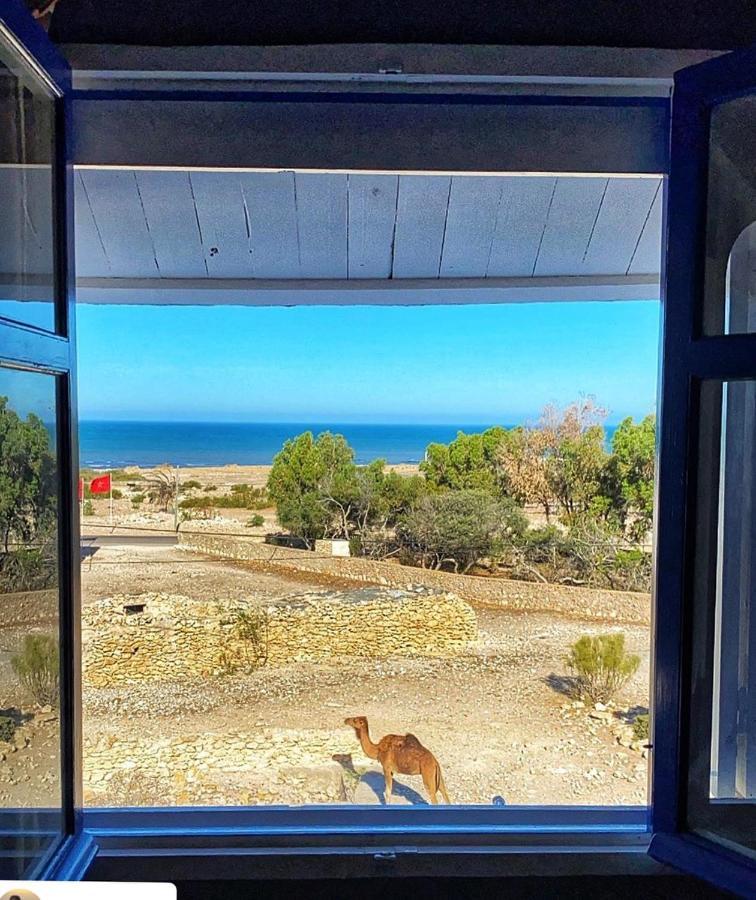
x: 723, y: 736
x: 27, y: 252
x: 30, y: 752
x: 730, y: 277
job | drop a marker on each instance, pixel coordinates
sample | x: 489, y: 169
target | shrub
x: 601, y: 666
x: 458, y: 528
x: 7, y: 728
x: 89, y: 508
x: 251, y: 628
x: 256, y: 521
x: 197, y: 503
x: 38, y: 668
x: 210, y: 487
x: 29, y: 568
x: 191, y: 485
x: 88, y: 495
x: 640, y: 727
x: 137, y: 500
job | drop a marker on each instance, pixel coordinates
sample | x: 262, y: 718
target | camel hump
x: 411, y: 741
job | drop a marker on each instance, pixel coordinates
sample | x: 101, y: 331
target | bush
x: 601, y: 666
x: 89, y: 508
x: 137, y: 500
x: 458, y: 528
x: 256, y: 521
x: 38, y: 668
x: 210, y: 487
x: 7, y: 728
x: 640, y: 727
x: 242, y: 496
x: 29, y: 568
x: 191, y: 485
x: 250, y: 627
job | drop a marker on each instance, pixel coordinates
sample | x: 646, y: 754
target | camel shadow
x: 377, y: 784
x: 562, y: 684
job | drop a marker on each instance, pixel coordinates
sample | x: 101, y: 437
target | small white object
x: 85, y: 890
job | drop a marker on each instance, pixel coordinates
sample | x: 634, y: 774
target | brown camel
x: 403, y: 754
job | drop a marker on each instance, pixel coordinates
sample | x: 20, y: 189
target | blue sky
x: 432, y: 364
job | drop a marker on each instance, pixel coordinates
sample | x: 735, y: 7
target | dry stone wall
x: 162, y: 637
x: 589, y: 604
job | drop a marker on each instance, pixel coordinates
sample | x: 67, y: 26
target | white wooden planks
x: 647, y: 257
x: 221, y: 215
x: 569, y: 225
x: 372, y: 217
x: 321, y: 206
x: 623, y: 213
x: 470, y: 224
x: 302, y: 226
x: 171, y: 218
x: 271, y: 212
x: 420, y: 225
x: 91, y: 259
x: 523, y: 209
x: 118, y: 212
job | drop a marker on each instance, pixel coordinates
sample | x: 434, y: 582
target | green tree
x: 574, y: 456
x: 459, y: 528
x: 27, y: 477
x: 28, y: 503
x: 469, y: 462
x: 630, y: 474
x: 302, y: 471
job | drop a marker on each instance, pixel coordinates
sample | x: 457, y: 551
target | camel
x: 403, y: 754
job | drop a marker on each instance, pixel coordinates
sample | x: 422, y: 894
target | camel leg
x: 388, y: 778
x: 429, y: 780
x: 442, y: 788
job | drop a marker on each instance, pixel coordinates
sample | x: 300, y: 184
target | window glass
x: 30, y: 776
x: 733, y: 770
x: 730, y: 276
x: 27, y: 271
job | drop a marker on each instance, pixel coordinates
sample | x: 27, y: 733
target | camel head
x: 359, y: 723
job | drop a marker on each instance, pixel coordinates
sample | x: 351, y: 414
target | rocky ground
x: 497, y: 717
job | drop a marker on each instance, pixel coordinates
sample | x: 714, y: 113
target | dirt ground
x: 497, y: 717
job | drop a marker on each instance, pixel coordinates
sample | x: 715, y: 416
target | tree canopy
x: 469, y: 462
x: 27, y: 495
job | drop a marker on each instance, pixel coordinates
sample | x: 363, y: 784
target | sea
x: 115, y: 444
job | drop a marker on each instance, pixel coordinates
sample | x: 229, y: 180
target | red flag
x: 81, y: 488
x: 100, y: 485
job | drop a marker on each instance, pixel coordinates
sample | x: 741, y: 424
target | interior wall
x: 644, y: 23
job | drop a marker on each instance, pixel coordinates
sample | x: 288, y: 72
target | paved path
x: 128, y: 540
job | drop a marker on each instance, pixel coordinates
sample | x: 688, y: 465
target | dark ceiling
x: 619, y: 23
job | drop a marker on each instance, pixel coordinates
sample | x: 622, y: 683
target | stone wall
x: 231, y: 768
x: 590, y: 604
x: 161, y: 637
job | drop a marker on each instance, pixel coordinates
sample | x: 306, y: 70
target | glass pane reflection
x: 30, y: 756
x: 27, y: 272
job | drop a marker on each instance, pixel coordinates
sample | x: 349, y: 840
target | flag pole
x: 110, y: 485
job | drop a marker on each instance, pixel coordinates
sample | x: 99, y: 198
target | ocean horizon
x: 116, y: 444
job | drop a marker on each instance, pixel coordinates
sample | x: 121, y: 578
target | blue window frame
x: 703, y: 800
x: 698, y: 358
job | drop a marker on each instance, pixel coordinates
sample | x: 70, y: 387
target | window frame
x: 691, y: 360
x: 28, y: 348
x: 250, y: 842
